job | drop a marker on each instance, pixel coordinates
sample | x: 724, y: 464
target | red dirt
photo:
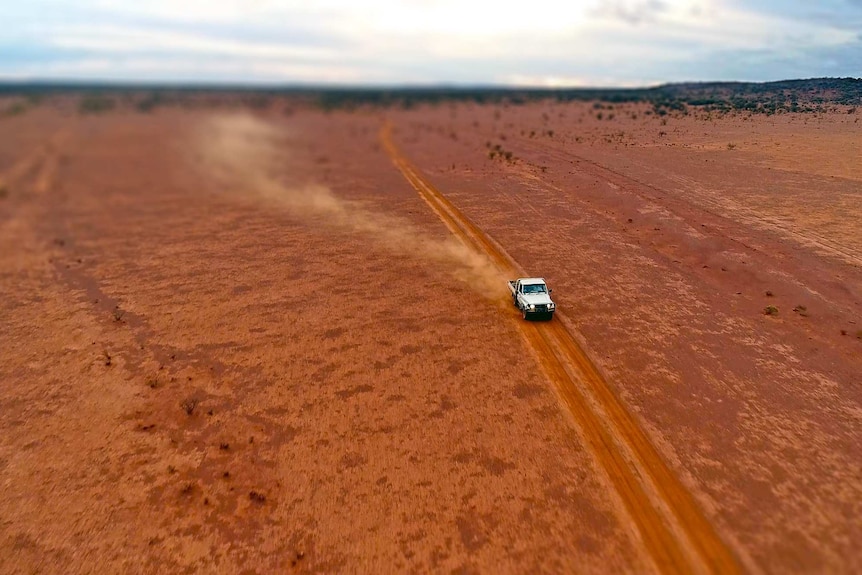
x: 246, y: 344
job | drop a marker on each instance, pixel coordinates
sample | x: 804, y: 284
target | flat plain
x: 277, y: 339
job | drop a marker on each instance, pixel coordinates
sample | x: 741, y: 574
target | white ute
x: 532, y: 297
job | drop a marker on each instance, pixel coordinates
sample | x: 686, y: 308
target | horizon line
x: 85, y: 83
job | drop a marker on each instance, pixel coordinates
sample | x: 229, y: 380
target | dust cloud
x: 242, y: 152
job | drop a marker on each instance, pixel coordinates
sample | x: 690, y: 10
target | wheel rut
x: 667, y: 519
x: 724, y: 210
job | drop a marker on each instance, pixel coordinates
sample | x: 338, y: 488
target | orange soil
x: 361, y: 396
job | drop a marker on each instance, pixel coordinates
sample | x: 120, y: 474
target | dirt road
x: 668, y: 243
x: 673, y: 528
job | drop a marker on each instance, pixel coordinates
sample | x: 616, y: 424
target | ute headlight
x: 532, y: 306
x: 551, y: 306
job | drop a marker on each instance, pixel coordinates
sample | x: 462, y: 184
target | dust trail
x: 243, y: 152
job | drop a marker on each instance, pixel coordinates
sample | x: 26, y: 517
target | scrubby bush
x: 95, y: 104
x: 15, y: 109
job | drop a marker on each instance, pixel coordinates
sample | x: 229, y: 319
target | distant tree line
x: 810, y: 95
x: 768, y: 98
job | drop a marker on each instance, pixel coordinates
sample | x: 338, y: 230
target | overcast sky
x: 384, y: 42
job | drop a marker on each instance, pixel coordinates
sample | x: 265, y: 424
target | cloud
x: 836, y: 61
x: 120, y: 39
x: 631, y: 12
x: 622, y: 42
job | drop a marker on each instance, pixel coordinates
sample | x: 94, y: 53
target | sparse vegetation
x: 498, y: 151
x: 299, y: 557
x: 189, y: 405
x: 151, y: 102
x: 303, y: 371
x: 731, y: 146
x: 814, y: 95
x: 95, y: 104
x: 15, y: 109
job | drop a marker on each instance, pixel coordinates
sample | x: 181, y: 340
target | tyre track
x: 23, y: 167
x: 670, y: 524
x: 725, y: 210
x: 29, y: 178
